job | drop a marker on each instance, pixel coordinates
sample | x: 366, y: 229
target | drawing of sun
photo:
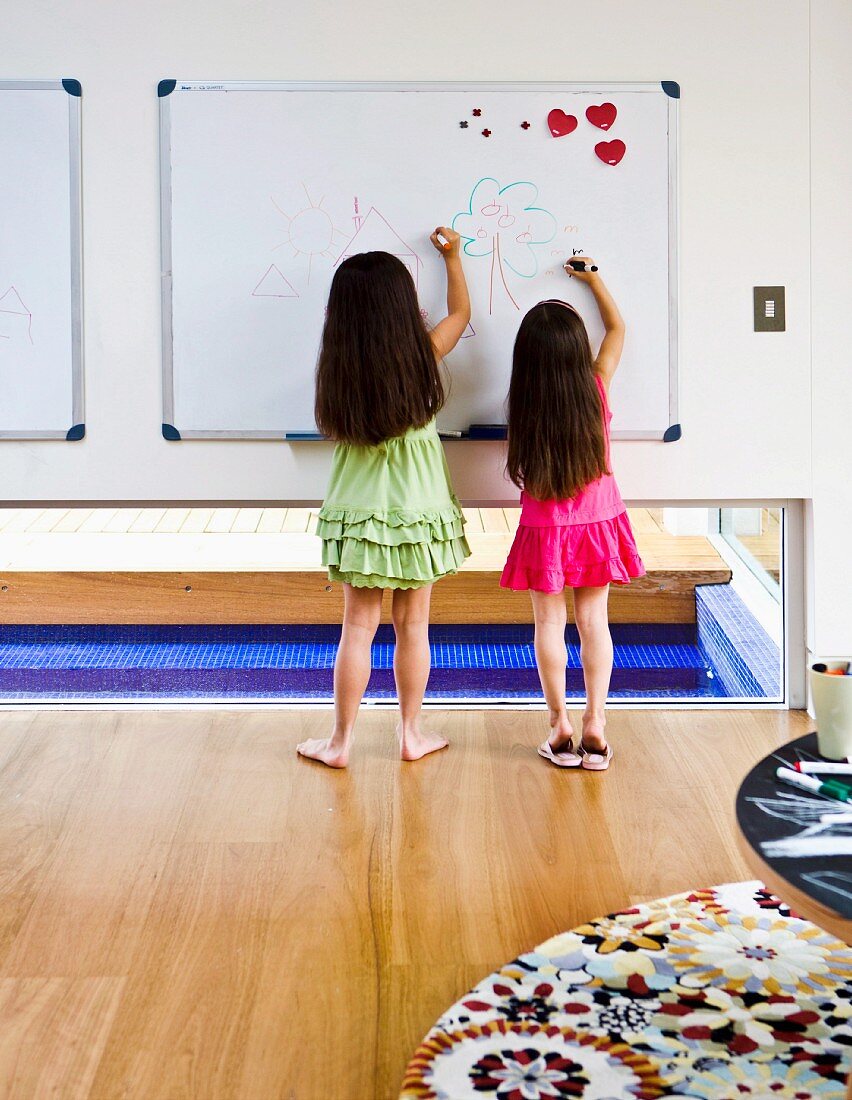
x: 311, y: 231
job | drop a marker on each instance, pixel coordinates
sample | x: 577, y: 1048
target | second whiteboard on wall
x: 267, y: 187
x: 41, y: 351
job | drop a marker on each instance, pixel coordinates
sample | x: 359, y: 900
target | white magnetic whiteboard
x: 41, y: 367
x: 265, y: 187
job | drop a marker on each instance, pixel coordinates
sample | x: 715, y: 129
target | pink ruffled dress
x: 584, y: 542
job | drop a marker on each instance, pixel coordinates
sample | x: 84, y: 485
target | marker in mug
x: 831, y: 787
x: 581, y: 265
x: 826, y: 671
x: 818, y: 767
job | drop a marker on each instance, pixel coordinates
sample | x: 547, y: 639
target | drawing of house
x: 375, y: 234
x: 16, y: 320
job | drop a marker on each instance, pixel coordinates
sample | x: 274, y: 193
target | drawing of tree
x: 505, y: 224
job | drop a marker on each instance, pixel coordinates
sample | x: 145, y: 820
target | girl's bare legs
x: 362, y: 611
x: 551, y: 656
x: 590, y: 615
x: 411, y: 665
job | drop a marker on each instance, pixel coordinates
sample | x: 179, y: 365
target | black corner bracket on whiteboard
x: 672, y: 434
x: 171, y: 433
x: 73, y: 87
x: 166, y: 87
x: 671, y: 88
x: 75, y: 432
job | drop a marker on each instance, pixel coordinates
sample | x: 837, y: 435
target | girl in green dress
x: 390, y: 517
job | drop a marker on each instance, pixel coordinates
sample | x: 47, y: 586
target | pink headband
x: 558, y: 302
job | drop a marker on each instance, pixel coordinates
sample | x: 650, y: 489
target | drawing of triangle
x: 15, y: 303
x: 274, y: 285
x: 468, y: 332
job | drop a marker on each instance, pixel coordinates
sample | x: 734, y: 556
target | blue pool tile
x: 495, y: 662
x: 746, y: 659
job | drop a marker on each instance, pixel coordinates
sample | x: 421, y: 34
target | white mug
x: 832, y: 696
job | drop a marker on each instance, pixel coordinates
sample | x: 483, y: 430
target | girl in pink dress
x: 574, y: 530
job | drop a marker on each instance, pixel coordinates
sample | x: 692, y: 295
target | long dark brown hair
x: 377, y: 375
x: 556, y: 430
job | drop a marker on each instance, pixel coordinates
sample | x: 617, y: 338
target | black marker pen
x: 580, y: 265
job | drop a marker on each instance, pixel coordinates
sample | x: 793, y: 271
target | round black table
x: 817, y: 887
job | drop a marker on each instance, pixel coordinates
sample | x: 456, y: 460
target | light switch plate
x: 769, y: 311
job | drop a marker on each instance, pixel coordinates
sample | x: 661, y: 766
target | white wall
x: 830, y: 516
x: 743, y: 68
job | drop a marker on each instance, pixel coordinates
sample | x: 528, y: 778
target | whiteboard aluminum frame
x: 172, y: 432
x: 76, y: 428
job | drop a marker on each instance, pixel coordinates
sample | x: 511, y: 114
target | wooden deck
x: 244, y: 521
x: 65, y: 566
x: 766, y: 547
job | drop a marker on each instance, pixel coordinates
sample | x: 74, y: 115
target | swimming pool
x: 724, y: 655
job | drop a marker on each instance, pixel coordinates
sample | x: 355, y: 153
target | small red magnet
x: 611, y: 152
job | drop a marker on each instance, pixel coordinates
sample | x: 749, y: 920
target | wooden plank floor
x: 188, y: 910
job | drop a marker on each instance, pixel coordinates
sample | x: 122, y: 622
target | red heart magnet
x: 559, y: 123
x: 602, y: 116
x: 611, y: 152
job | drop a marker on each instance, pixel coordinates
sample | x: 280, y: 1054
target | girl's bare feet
x: 414, y: 744
x: 325, y: 749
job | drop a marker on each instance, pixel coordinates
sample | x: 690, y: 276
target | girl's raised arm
x: 447, y: 333
x: 609, y: 355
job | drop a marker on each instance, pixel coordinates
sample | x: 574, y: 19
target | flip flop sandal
x: 595, y: 761
x: 568, y: 759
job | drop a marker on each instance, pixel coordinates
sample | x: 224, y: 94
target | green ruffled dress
x: 390, y: 517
